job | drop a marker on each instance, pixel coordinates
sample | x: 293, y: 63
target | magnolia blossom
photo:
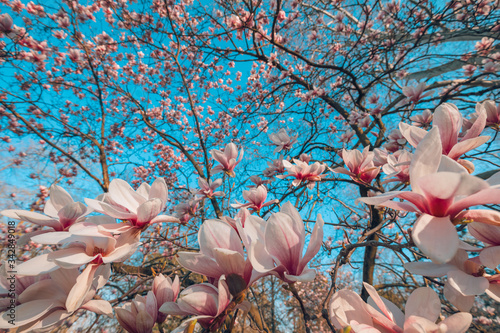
x: 85, y: 246
x: 360, y: 166
x: 61, y: 212
x: 398, y: 167
x: 415, y: 94
x: 165, y: 291
x: 228, y: 159
x: 303, y: 172
x: 186, y: 210
x: 449, y: 121
x: 257, y: 181
x: 207, y: 189
x: 274, y: 168
x: 49, y: 301
x: 205, y: 301
x: 256, y: 198
x: 422, y: 120
x: 465, y: 279
x: 221, y: 253
x: 282, y: 140
x: 140, y: 315
x: 276, y: 246
x: 139, y: 208
x: 6, y: 23
x: 422, y: 309
x: 492, y: 113
x: 441, y: 189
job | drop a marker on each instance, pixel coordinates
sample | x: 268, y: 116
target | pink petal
x: 200, y: 263
x: 27, y: 312
x: 380, y: 305
x: 449, y: 121
x: 489, y: 234
x: 36, y: 266
x: 123, y: 194
x: 315, y: 243
x: 72, y: 257
x: 428, y: 268
x: 218, y: 234
x: 461, y: 302
x: 412, y: 134
x: 99, y: 306
x: 457, y: 323
x: 436, y: 237
x: 306, y: 275
x: 426, y: 159
x: 467, y: 285
x: 159, y: 190
x: 82, y: 286
x: 423, y: 302
x: 231, y: 262
x: 490, y: 257
x: 35, y: 218
x: 59, y: 197
x: 487, y: 196
x: 149, y: 210
x: 346, y: 306
x: 485, y: 216
x: 467, y: 145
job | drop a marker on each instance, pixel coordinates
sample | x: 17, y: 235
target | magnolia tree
x: 259, y: 166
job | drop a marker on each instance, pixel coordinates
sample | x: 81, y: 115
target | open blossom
x: 422, y: 120
x: 139, y: 208
x: 360, y: 166
x: 228, y: 159
x: 165, y: 290
x: 441, y: 189
x: 49, y: 301
x: 61, y: 212
x: 138, y: 316
x: 398, y: 166
x: 466, y: 278
x: 282, y: 140
x: 207, y: 189
x: 415, y: 94
x: 256, y: 198
x: 85, y: 246
x: 449, y: 121
x: 276, y: 246
x: 492, y: 113
x: 422, y: 309
x: 275, y: 167
x: 257, y: 181
x: 186, y: 210
x: 206, y: 302
x: 304, y: 172
x: 221, y: 254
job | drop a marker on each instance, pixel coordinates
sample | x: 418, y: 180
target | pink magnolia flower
x: 207, y: 189
x: 422, y: 120
x: 221, y: 253
x: 441, y: 189
x: 492, y: 113
x: 395, y: 141
x: 257, y: 181
x: 186, y: 210
x: 139, y: 208
x: 47, y: 302
x: 276, y: 246
x: 282, y: 140
x: 275, y: 167
x: 165, y: 291
x: 6, y: 23
x: 61, y: 212
x: 256, y: 198
x: 466, y: 278
x: 490, y: 236
x: 347, y: 310
x: 449, y: 121
x: 205, y: 301
x: 303, y: 172
x: 398, y: 167
x: 227, y: 159
x: 86, y: 246
x: 415, y: 94
x: 140, y: 315
x: 360, y: 166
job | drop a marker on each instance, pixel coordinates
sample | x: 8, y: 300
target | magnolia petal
x: 101, y: 307
x: 412, y: 134
x: 423, y: 302
x: 307, y: 275
x: 282, y: 242
x: 467, y: 285
x: 200, y: 263
x: 457, y: 323
x: 149, y: 210
x: 436, y: 237
x: 315, y: 243
x: 485, y: 216
x: 346, y: 306
x: 231, y: 262
x: 37, y: 265
x: 426, y: 159
x: 461, y: 302
x: 490, y: 257
x: 428, y: 268
x: 467, y: 145
x: 159, y: 190
x: 123, y: 194
x: 27, y: 312
x: 387, y: 308
x: 165, y: 218
x: 218, y: 234
x: 82, y: 286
